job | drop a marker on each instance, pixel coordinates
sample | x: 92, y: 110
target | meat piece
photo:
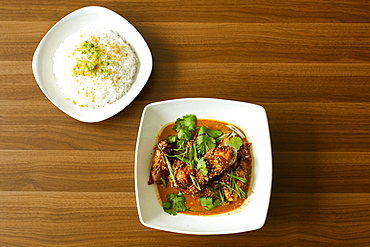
x: 206, y: 192
x: 159, y: 167
x: 219, y: 159
x: 245, y: 152
x: 182, y: 173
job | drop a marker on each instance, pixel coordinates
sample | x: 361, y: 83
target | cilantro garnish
x: 175, y: 203
x: 184, y: 127
x: 184, y: 134
x: 205, y: 142
x: 202, y: 166
x: 208, y: 202
x: 235, y: 142
x: 206, y: 139
x: 212, y: 133
x: 172, y: 139
x: 188, y: 121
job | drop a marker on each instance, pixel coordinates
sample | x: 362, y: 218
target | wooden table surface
x: 68, y: 183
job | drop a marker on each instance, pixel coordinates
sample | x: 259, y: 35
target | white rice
x: 115, y: 68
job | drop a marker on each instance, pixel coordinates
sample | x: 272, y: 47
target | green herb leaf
x: 184, y: 127
x: 188, y: 121
x: 235, y: 142
x: 172, y: 139
x: 202, y: 130
x: 170, y: 211
x: 214, y: 133
x: 184, y: 133
x: 178, y: 203
x: 167, y: 205
x: 205, y: 142
x: 202, y: 166
x: 175, y: 203
x: 208, y: 202
x: 206, y: 139
x: 217, y: 202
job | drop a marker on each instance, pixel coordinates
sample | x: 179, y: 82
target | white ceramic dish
x: 85, y: 17
x: 251, y: 119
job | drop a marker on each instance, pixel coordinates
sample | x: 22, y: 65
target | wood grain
x: 50, y: 170
x: 306, y: 11
x: 106, y: 219
x: 68, y: 183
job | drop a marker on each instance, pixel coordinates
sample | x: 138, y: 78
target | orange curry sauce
x: 192, y: 201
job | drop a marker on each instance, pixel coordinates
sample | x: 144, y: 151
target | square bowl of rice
x: 251, y: 119
x: 92, y: 64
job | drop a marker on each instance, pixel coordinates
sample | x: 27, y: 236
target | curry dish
x: 201, y: 167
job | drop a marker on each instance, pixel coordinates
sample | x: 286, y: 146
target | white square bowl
x: 42, y: 63
x: 252, y: 119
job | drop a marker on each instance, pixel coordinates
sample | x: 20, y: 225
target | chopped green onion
x: 243, y: 180
x: 195, y: 182
x: 164, y: 181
